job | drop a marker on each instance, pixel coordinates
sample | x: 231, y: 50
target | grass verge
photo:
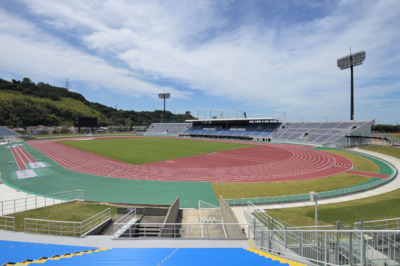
x: 384, y: 206
x: 388, y: 150
x: 272, y: 189
x: 71, y: 211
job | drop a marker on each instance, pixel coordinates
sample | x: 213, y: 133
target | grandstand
x: 322, y: 133
x: 170, y: 129
x: 24, y: 253
x: 6, y: 132
x: 326, y: 133
x: 242, y: 128
x: 7, y: 135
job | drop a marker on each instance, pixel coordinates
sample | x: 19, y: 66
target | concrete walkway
x: 9, y: 193
x: 107, y: 242
x: 393, y: 185
x: 13, y: 201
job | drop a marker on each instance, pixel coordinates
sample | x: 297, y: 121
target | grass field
x: 147, y: 150
x: 73, y: 211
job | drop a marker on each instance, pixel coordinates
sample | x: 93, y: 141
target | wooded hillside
x: 24, y: 103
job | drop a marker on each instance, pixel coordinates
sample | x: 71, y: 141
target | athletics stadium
x: 191, y: 193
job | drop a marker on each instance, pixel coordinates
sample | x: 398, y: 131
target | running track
x: 21, y: 156
x: 262, y: 163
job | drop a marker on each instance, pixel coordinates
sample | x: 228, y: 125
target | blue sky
x: 261, y: 57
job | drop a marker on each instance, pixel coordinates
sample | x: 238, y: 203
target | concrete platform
x: 107, y: 242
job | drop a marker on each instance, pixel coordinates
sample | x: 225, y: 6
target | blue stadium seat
x: 15, y: 252
x: 12, y: 251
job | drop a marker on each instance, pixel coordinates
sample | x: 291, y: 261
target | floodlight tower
x: 164, y: 96
x: 348, y: 62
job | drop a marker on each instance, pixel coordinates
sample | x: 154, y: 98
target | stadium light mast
x: 164, y: 96
x: 349, y: 62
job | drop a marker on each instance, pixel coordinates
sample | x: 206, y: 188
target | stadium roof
x: 268, y: 119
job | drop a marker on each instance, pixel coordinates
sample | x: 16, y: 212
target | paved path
x: 393, y: 185
x: 9, y: 193
x: 107, y: 242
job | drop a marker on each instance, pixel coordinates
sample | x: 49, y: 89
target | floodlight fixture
x: 350, y: 61
x: 164, y: 96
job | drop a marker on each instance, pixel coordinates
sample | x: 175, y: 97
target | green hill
x: 24, y: 103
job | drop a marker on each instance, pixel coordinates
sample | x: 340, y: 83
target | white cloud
x: 40, y: 55
x: 291, y: 67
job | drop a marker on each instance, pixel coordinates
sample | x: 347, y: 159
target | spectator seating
x: 12, y: 253
x: 171, y: 129
x: 315, y: 132
x: 5, y: 132
x: 247, y: 131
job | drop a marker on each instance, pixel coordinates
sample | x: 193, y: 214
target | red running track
x: 22, y: 157
x: 262, y: 163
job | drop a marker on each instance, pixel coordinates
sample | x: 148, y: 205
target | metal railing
x: 333, y: 247
x: 209, y: 212
x: 185, y: 230
x: 124, y: 223
x: 66, y: 228
x: 386, y: 139
x: 34, y: 202
x: 7, y: 223
x: 385, y: 224
x: 325, y: 245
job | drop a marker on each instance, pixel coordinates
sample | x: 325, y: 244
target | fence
x: 209, y: 213
x: 66, y: 228
x: 125, y: 222
x: 333, y: 247
x: 387, y: 224
x: 385, y: 139
x: 186, y: 230
x: 34, y: 202
x: 7, y: 223
x: 325, y: 245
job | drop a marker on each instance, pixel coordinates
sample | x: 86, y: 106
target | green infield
x: 151, y: 149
